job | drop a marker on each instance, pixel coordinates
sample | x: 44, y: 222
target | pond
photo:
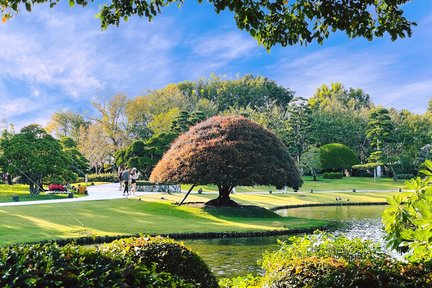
x: 231, y: 257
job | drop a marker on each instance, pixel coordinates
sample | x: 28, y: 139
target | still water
x: 232, y: 257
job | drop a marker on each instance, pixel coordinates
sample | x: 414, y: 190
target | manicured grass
x: 22, y: 191
x: 155, y: 214
x: 130, y: 216
x: 278, y: 199
x: 344, y: 184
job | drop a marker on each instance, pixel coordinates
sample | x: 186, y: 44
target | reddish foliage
x: 228, y: 151
x: 56, y: 187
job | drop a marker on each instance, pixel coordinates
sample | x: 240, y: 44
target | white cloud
x: 355, y: 69
x: 224, y: 46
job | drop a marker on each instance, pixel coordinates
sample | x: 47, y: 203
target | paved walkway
x: 98, y: 192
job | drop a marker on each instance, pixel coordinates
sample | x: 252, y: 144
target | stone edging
x: 327, y: 204
x: 184, y: 236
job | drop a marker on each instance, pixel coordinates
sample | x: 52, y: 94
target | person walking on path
x: 120, y: 172
x: 134, y: 175
x: 125, y: 178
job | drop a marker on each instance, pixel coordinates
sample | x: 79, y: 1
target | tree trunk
x: 32, y: 188
x: 314, y: 175
x: 346, y: 172
x: 223, y: 199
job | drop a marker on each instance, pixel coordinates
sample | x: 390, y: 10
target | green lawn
x: 273, y: 200
x: 344, y: 184
x: 22, y: 191
x: 130, y: 216
x: 155, y: 214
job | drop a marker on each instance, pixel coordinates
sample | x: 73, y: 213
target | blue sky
x: 59, y: 59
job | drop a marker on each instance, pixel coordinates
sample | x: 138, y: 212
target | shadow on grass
x: 243, y: 211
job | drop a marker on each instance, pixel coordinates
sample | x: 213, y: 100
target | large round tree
x: 227, y: 152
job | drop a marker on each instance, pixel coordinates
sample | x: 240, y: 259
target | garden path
x: 97, y: 192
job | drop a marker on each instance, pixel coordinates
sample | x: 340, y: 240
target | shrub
x: 332, y: 175
x: 56, y: 187
x: 404, y: 176
x: 50, y: 265
x: 166, y: 255
x: 103, y: 177
x: 337, y: 156
x: 248, y: 281
x: 408, y: 219
x: 322, y: 260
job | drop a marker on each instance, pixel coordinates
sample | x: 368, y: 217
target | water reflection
x: 232, y: 257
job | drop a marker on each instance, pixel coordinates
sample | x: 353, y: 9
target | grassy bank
x: 344, y: 184
x: 278, y: 199
x: 130, y: 216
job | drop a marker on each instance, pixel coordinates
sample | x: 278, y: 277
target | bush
x: 166, y: 255
x: 332, y: 175
x: 322, y: 260
x: 407, y: 220
x: 337, y: 156
x: 103, y: 177
x: 404, y: 176
x: 56, y: 187
x: 50, y: 265
x: 247, y: 281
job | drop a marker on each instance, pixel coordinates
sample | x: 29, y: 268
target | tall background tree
x: 34, y: 155
x: 227, y: 152
x: 379, y: 132
x: 66, y: 124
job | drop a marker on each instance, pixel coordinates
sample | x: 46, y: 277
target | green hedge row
x: 332, y: 175
x: 103, y: 177
x: 133, y: 262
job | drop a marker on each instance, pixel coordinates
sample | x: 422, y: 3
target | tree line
x: 137, y: 131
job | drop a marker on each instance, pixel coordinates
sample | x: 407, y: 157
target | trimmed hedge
x: 332, y: 175
x: 142, y: 262
x: 103, y: 177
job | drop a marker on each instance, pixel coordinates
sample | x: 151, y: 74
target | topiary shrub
x: 336, y: 156
x: 167, y: 256
x: 50, y: 265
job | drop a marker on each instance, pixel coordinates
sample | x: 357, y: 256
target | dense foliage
x: 271, y: 22
x: 166, y: 256
x: 408, y: 220
x: 335, y: 156
x: 321, y: 260
x: 35, y: 155
x: 141, y: 262
x: 332, y: 175
x: 227, y: 152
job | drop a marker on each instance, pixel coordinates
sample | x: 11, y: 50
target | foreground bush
x: 408, y: 219
x: 325, y: 261
x: 142, y: 263
x: 166, y: 255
